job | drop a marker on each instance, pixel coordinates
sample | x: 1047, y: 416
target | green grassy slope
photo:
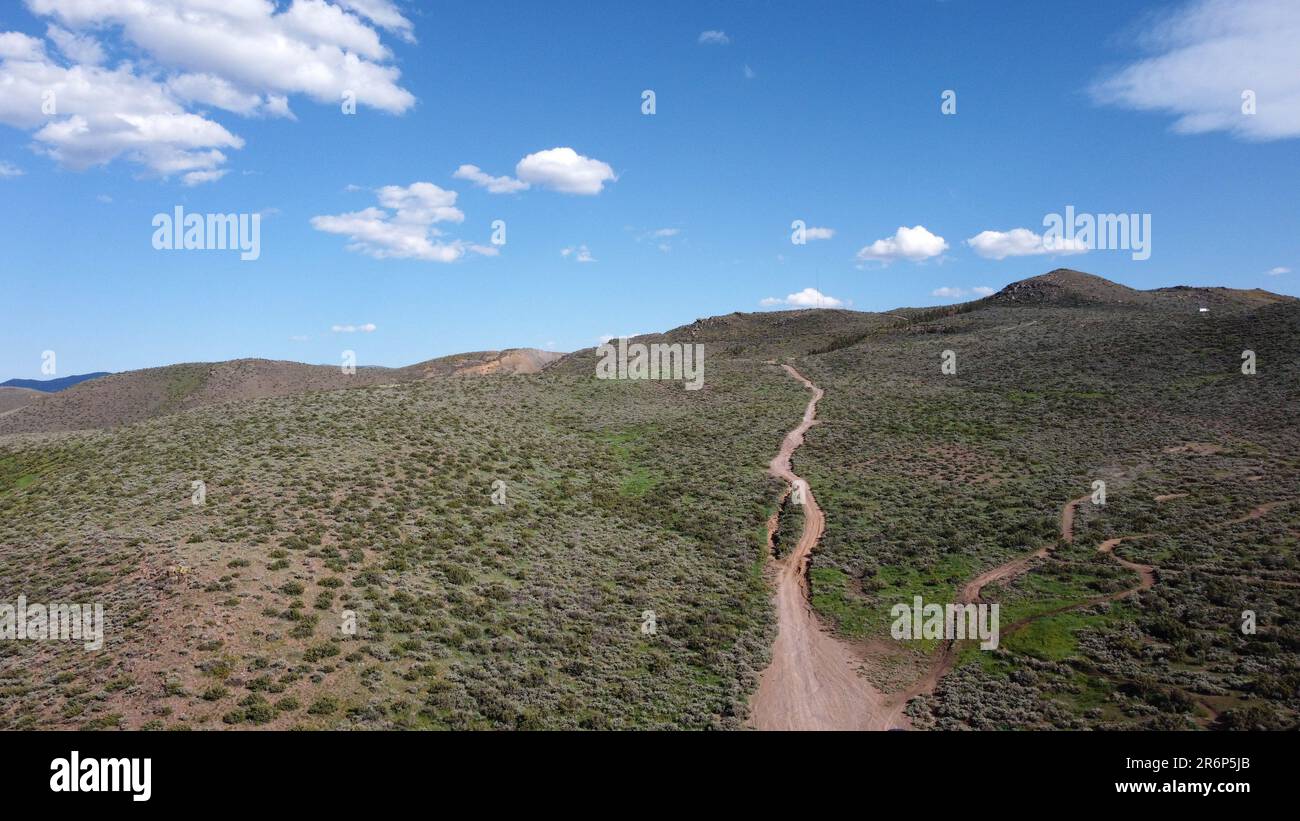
x: 621, y: 498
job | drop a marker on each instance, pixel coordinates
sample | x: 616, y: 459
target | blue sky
x: 829, y: 113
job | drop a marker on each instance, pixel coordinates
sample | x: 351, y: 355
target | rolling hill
x: 14, y: 398
x: 134, y: 396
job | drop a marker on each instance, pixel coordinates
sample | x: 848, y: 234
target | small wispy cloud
x: 662, y: 238
x: 1278, y: 271
x: 714, y: 38
x: 193, y: 178
x: 494, y: 185
x: 367, y: 328
x: 749, y: 72
x: 10, y: 170
x: 579, y: 253
x: 1209, y: 61
x: 950, y: 292
x: 604, y: 338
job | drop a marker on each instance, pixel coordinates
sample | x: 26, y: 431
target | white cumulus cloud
x: 912, y: 244
x: 1021, y: 242
x: 101, y: 114
x: 1204, y: 56
x: 807, y: 298
x: 403, y: 228
x: 565, y: 170
x: 560, y: 169
x: 14, y: 45
x: 242, y: 56
x: 211, y: 90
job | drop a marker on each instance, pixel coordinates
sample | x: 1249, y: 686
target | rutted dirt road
x: 812, y: 682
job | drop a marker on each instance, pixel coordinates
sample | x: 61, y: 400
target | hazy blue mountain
x: 52, y: 385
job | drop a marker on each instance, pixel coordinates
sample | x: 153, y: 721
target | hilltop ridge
x: 133, y: 396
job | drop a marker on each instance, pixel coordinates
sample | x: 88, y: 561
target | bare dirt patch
x: 1197, y: 448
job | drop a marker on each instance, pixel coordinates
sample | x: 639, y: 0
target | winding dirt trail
x: 1261, y: 511
x: 812, y: 682
x: 1146, y: 573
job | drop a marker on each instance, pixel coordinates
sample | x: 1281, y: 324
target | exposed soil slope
x: 14, y: 398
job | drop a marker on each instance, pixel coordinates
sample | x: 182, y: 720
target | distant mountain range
x: 52, y: 385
